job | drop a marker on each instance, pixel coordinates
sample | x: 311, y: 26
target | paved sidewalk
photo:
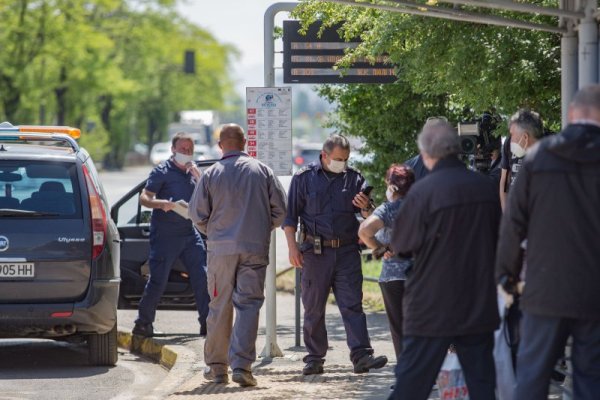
x: 278, y: 378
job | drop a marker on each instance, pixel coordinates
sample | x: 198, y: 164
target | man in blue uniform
x: 171, y: 235
x: 325, y: 196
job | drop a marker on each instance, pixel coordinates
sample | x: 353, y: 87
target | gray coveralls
x: 323, y: 202
x: 237, y: 203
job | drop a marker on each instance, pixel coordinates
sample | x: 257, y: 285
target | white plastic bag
x: 505, y: 373
x: 451, y: 380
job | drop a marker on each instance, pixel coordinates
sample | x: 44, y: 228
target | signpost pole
x: 271, y: 348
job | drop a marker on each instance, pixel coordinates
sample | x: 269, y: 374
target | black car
x: 133, y: 222
x: 59, y: 251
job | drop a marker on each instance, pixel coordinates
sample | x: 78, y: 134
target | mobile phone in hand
x: 367, y: 190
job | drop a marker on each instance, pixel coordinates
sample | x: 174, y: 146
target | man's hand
x: 166, y: 205
x: 506, y: 297
x: 193, y: 169
x: 296, y: 257
x: 361, y: 201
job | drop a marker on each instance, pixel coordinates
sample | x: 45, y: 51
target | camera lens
x: 468, y: 144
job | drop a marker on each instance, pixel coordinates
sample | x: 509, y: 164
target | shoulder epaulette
x: 303, y: 170
x: 353, y: 169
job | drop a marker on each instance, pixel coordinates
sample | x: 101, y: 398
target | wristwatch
x: 370, y: 208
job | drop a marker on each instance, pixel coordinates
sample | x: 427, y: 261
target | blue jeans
x: 165, y: 249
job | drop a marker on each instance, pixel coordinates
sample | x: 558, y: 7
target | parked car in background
x: 160, y: 152
x: 59, y: 251
x: 305, y: 153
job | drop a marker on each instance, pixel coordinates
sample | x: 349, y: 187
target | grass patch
x: 372, y: 299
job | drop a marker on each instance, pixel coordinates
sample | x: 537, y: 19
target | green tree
x: 115, y: 66
x: 448, y: 68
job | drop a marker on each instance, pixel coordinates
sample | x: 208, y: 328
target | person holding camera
x: 554, y: 206
x: 375, y: 232
x: 449, y: 222
x: 526, y: 128
x: 325, y: 196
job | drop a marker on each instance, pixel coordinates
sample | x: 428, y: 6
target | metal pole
x: 271, y: 348
x: 568, y: 76
x: 520, y: 7
x: 588, y: 45
x: 456, y: 15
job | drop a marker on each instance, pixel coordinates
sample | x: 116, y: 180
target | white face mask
x: 336, y: 166
x: 183, y: 159
x: 517, y: 150
x: 389, y: 194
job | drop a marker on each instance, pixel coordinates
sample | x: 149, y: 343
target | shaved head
x: 232, y: 138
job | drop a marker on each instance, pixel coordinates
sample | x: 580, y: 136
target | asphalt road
x: 45, y: 369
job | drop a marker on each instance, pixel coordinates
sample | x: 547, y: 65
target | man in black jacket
x: 555, y: 205
x: 449, y: 221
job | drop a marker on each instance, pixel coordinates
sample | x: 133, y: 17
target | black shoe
x: 243, y: 378
x: 313, y: 368
x: 145, y: 330
x: 367, y: 362
x: 202, y: 330
x: 210, y: 375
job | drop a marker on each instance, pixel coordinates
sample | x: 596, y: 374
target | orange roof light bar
x: 75, y: 133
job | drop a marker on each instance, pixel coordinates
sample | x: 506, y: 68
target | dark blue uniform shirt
x: 170, y: 183
x: 323, y: 202
x: 419, y: 169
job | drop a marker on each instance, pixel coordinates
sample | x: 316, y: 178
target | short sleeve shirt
x: 510, y: 163
x: 395, y: 268
x: 169, y: 182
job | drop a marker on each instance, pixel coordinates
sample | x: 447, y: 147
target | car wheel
x: 102, y: 348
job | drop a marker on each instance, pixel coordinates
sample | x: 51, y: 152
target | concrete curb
x: 181, y: 362
x: 149, y: 347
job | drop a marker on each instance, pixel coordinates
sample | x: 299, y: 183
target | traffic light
x: 189, y: 66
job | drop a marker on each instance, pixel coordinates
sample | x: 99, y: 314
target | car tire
x: 102, y: 348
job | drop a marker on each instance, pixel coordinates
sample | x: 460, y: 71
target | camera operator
x: 526, y: 128
x: 480, y: 149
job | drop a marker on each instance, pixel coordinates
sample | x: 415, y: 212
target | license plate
x: 10, y: 270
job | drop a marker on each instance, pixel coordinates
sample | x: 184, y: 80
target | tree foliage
x: 454, y: 69
x: 112, y: 67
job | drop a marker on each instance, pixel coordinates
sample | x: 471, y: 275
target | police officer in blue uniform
x: 171, y: 235
x: 325, y: 196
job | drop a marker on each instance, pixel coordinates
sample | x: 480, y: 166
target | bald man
x: 237, y: 203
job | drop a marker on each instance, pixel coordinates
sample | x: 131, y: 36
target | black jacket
x: 449, y: 221
x: 555, y: 205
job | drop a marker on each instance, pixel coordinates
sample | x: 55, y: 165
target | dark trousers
x: 422, y: 358
x: 392, y: 292
x: 338, y: 269
x: 164, y: 250
x: 543, y: 340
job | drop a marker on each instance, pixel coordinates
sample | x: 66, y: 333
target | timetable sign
x: 269, y: 121
x: 311, y: 58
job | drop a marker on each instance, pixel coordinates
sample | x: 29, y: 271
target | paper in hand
x: 181, y: 208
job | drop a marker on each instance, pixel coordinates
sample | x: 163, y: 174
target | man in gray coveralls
x: 237, y: 203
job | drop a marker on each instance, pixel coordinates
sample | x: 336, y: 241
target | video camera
x: 477, y: 141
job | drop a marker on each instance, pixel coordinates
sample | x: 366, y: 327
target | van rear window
x: 44, y: 189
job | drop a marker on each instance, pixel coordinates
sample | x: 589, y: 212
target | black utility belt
x: 333, y: 243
